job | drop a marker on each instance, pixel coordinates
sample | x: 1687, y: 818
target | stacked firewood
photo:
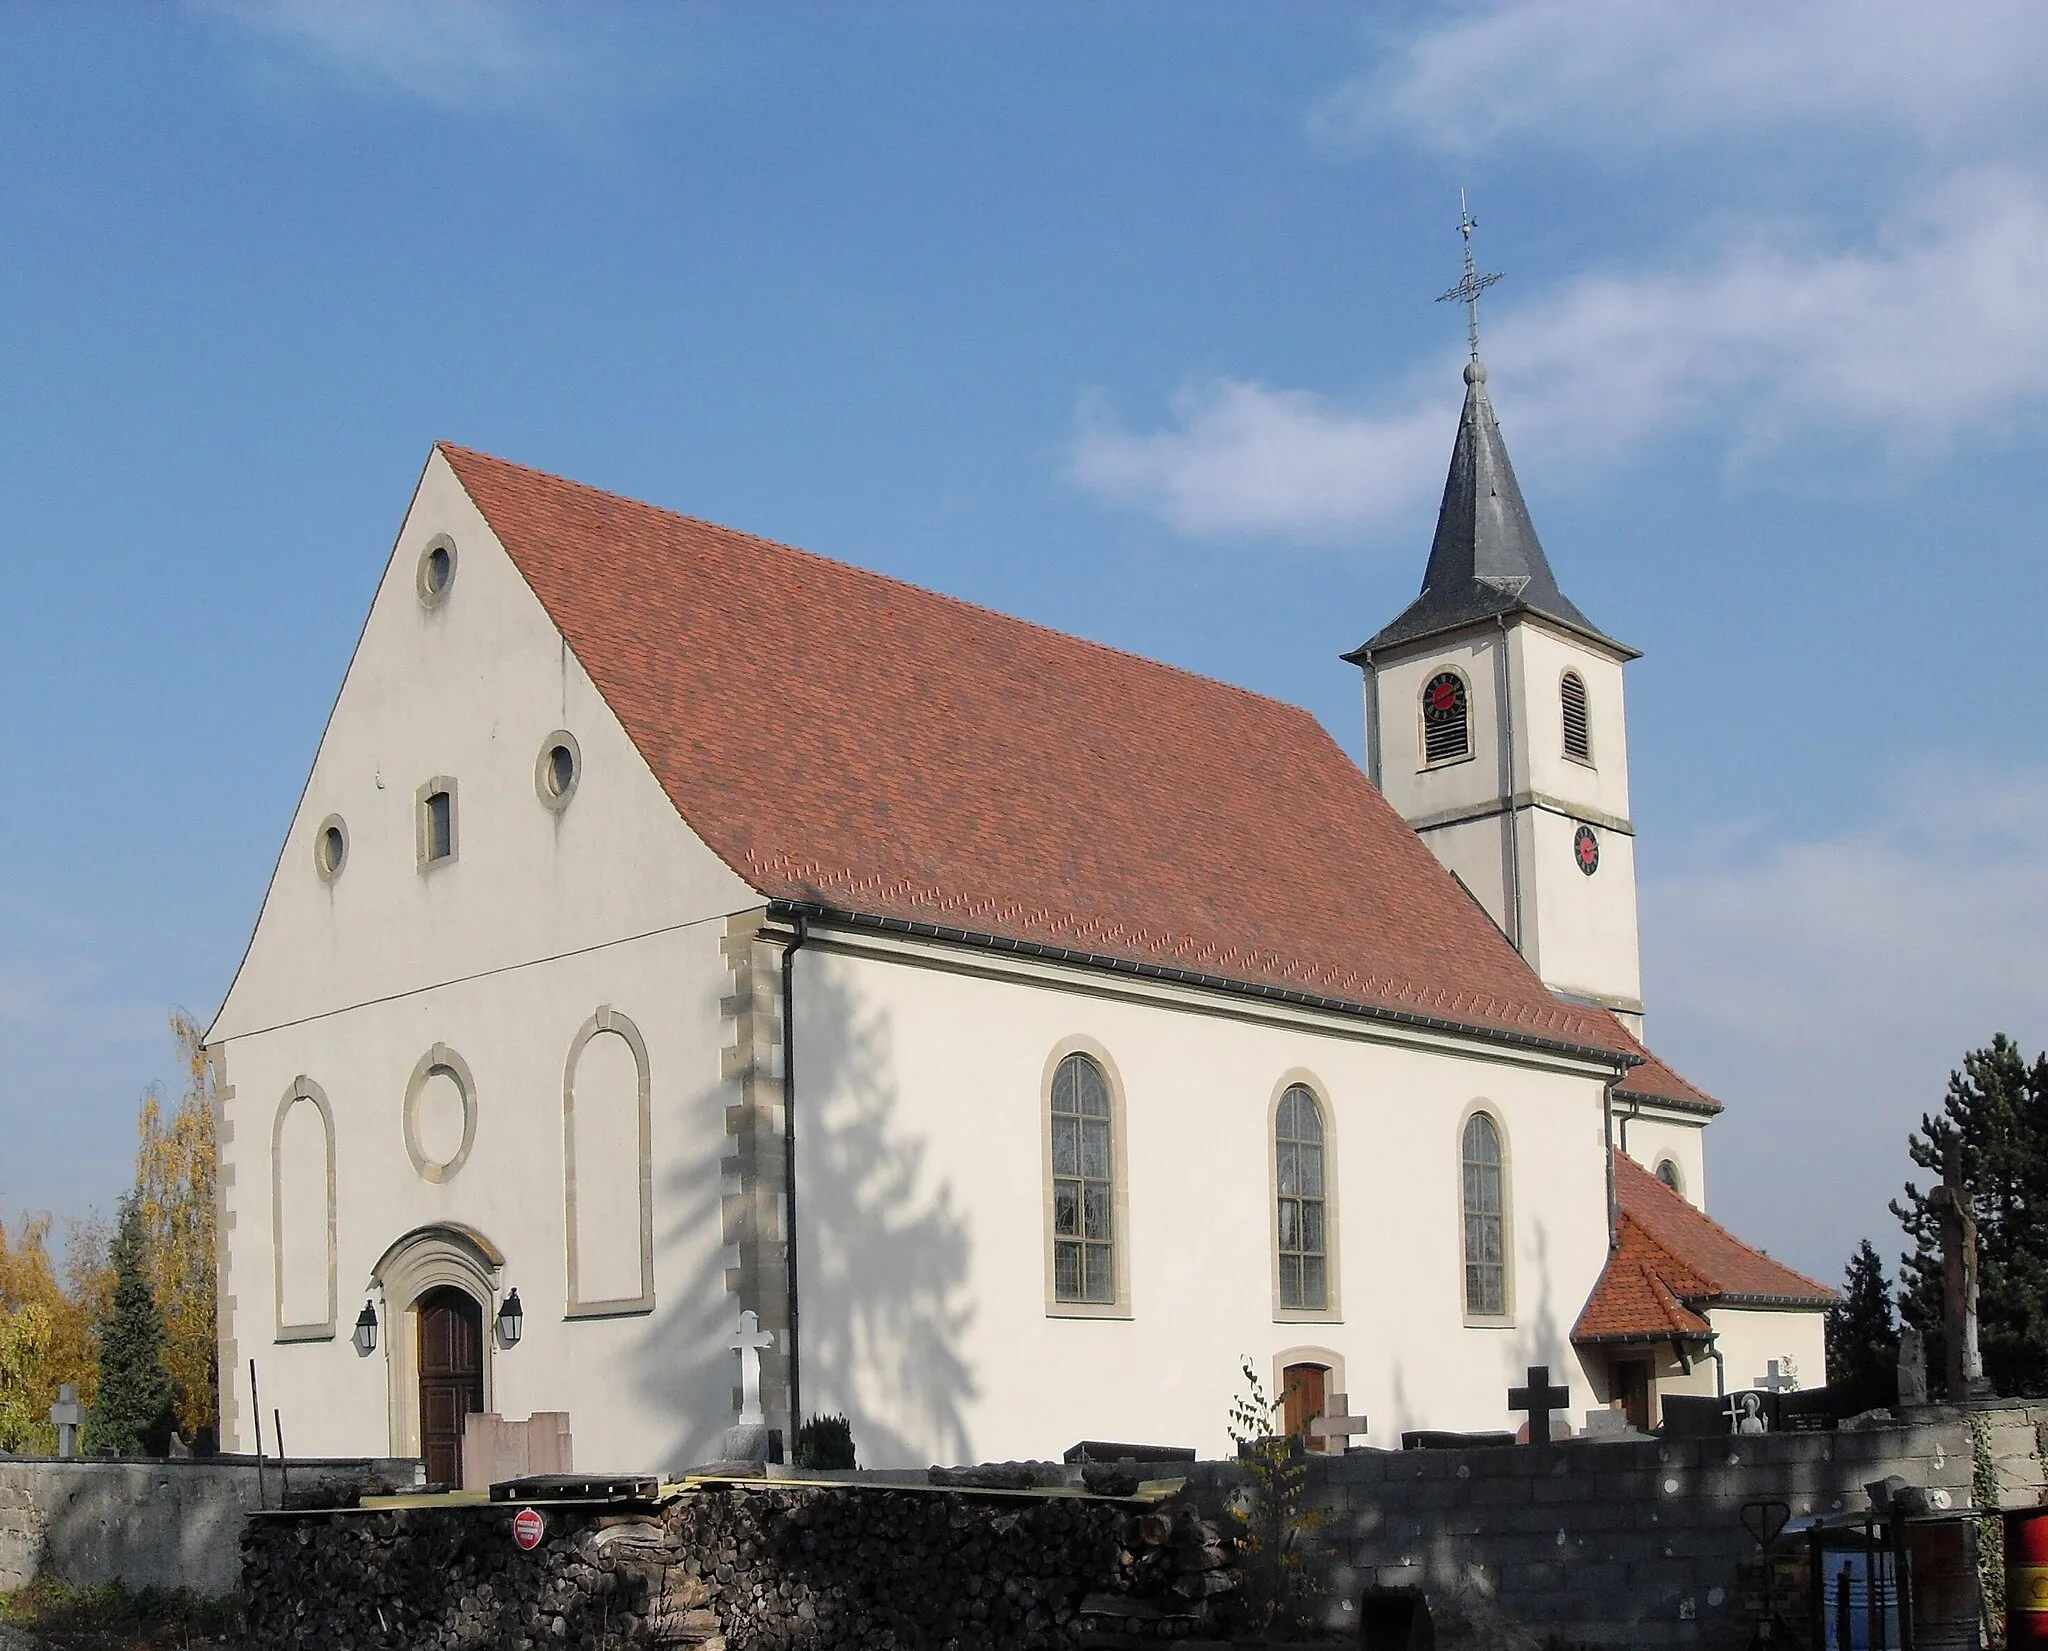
x: 730, y: 1568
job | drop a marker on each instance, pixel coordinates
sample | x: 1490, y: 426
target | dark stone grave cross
x: 1539, y: 1399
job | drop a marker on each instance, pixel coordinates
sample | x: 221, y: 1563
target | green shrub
x: 825, y: 1442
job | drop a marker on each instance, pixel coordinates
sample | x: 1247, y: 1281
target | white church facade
x: 675, y: 924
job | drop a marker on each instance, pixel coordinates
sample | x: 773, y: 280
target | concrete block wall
x: 1633, y: 1543
x: 146, y: 1523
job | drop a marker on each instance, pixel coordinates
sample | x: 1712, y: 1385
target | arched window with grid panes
x: 1303, y: 1227
x: 1083, y: 1183
x: 1446, y: 719
x: 1484, y: 1196
x: 1578, y: 730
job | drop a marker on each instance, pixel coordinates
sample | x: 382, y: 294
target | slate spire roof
x: 1486, y: 561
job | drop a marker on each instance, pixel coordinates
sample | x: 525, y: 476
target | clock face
x: 1444, y: 699
x: 1586, y: 850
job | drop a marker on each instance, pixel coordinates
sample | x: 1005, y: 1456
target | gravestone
x: 1539, y: 1399
x: 1774, y: 1380
x: 1912, y: 1367
x: 68, y: 1415
x: 750, y: 1438
x: 1340, y: 1425
x: 1610, y: 1427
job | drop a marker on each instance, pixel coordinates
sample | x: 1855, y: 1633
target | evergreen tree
x: 131, y: 1413
x: 1863, y: 1336
x: 1994, y: 1123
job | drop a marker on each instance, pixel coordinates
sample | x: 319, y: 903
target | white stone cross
x: 68, y: 1414
x: 751, y: 1342
x: 1775, y: 1380
x: 1341, y: 1424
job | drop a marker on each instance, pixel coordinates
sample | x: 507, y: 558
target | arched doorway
x: 438, y: 1287
x: 451, y: 1366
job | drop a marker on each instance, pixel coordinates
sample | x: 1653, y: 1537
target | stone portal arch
x: 444, y: 1256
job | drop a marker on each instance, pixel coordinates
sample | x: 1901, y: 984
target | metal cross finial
x: 1473, y: 283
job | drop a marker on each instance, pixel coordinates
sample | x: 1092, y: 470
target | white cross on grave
x: 68, y: 1415
x: 750, y: 1343
x: 1775, y: 1380
x: 1339, y: 1426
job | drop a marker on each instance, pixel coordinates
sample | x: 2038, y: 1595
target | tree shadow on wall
x: 885, y: 1257
x: 885, y: 1253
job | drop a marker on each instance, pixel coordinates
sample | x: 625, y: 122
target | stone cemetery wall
x: 152, y: 1524
x: 1635, y: 1543
x: 738, y: 1569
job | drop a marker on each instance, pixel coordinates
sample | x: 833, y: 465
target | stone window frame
x: 552, y: 800
x: 302, y: 1088
x: 440, y: 1058
x: 431, y: 598
x: 1119, y: 1307
x: 1505, y: 1319
x: 423, y: 826
x: 607, y: 1019
x: 1332, y: 1312
x: 424, y: 1259
x: 330, y: 874
x: 1471, y: 751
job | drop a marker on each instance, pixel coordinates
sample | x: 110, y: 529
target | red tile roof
x: 1670, y: 1260
x: 843, y: 739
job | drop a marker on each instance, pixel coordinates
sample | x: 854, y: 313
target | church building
x: 676, y: 924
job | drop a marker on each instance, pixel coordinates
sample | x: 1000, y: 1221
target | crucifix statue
x: 1957, y: 1212
x: 750, y: 1343
x: 1775, y: 1380
x: 1539, y: 1398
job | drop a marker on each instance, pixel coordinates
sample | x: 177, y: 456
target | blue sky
x: 1117, y: 317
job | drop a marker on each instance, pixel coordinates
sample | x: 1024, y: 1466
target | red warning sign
x: 528, y: 1527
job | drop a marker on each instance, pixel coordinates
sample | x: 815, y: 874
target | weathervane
x: 1473, y: 283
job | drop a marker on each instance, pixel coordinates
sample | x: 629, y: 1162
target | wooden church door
x: 451, y: 1378
x: 1303, y: 1396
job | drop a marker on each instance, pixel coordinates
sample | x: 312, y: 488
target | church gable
x: 861, y: 746
x: 474, y: 803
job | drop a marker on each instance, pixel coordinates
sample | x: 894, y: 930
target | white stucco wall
x: 1650, y: 1140
x: 922, y: 1226
x: 501, y: 955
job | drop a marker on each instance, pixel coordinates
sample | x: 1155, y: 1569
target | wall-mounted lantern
x: 365, y: 1337
x: 511, y: 1321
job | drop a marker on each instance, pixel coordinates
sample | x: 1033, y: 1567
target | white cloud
x: 465, y: 56
x: 1610, y: 75
x: 1929, y: 333
x: 1824, y: 990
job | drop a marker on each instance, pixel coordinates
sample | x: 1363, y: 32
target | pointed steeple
x: 1486, y: 561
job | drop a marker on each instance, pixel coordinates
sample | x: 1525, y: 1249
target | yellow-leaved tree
x: 46, y: 1327
x: 174, y: 1187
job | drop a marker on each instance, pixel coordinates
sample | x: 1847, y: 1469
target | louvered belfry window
x: 1578, y: 734
x: 1298, y: 1168
x: 1486, y: 1268
x: 1446, y: 719
x: 1083, y: 1184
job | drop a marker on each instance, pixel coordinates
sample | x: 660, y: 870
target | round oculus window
x: 1586, y: 850
x: 330, y: 847
x: 558, y: 768
x: 436, y: 570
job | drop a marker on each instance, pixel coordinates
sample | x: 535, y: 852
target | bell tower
x: 1495, y: 725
